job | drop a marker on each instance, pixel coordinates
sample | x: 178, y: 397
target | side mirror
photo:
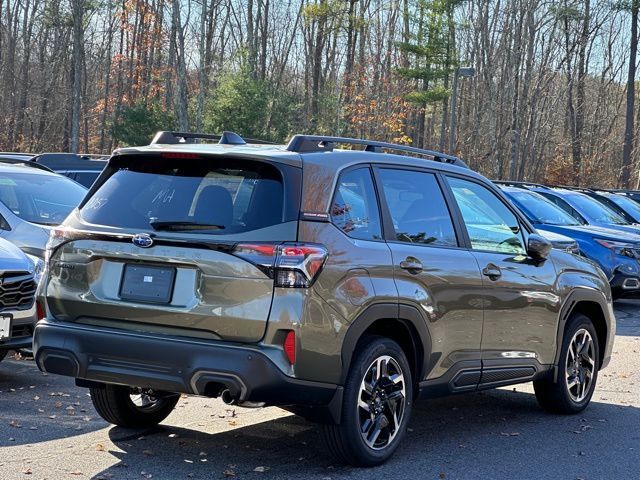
x: 538, y: 247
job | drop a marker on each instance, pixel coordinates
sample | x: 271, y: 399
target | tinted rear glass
x: 223, y: 196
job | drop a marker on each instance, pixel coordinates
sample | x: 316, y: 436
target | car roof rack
x: 26, y: 163
x: 513, y: 183
x: 321, y: 143
x: 227, y: 138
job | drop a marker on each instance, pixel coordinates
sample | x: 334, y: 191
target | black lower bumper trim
x: 196, y: 367
x: 623, y: 285
x: 15, y: 343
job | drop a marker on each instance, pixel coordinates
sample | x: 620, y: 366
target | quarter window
x: 355, y: 207
x: 490, y: 224
x: 417, y: 208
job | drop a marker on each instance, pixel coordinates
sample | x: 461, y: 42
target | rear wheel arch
x: 401, y: 323
x: 589, y: 305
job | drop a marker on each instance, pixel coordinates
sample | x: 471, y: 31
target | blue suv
x: 616, y: 252
x: 621, y: 204
x: 586, y: 209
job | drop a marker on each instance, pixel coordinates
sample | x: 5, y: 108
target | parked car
x: 632, y: 194
x: 623, y: 205
x: 586, y: 209
x: 32, y: 200
x: 17, y: 299
x: 84, y: 169
x: 615, y: 252
x: 338, y: 284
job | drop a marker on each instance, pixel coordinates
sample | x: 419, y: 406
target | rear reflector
x: 290, y: 346
x: 40, y: 312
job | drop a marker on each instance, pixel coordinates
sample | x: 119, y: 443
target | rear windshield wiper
x: 172, y: 226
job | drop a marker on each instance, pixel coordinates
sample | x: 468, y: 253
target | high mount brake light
x: 180, y: 155
x: 291, y: 265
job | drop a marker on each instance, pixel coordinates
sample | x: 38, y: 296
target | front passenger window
x: 490, y: 224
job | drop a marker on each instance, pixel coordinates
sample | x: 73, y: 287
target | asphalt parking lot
x: 49, y: 430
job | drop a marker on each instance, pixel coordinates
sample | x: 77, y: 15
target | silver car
x: 17, y: 299
x: 32, y: 201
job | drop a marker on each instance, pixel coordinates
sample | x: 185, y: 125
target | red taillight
x: 290, y: 265
x: 290, y: 346
x: 40, y: 311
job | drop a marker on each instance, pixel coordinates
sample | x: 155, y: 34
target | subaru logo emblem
x: 142, y: 240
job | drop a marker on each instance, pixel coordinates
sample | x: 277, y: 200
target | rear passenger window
x: 355, y: 208
x: 418, y: 208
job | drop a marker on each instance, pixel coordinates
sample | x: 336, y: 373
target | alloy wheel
x: 381, y: 402
x: 581, y: 365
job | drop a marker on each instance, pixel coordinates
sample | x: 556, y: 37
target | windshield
x: 40, y: 198
x: 215, y: 196
x: 594, y: 210
x: 628, y: 205
x: 541, y: 210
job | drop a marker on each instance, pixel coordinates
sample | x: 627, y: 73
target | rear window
x: 212, y: 196
x: 40, y: 198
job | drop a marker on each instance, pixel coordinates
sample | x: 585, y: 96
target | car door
x: 520, y: 303
x: 434, y: 273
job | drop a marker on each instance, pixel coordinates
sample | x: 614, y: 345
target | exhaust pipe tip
x: 227, y: 397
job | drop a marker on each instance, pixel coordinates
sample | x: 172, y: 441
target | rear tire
x: 122, y: 406
x: 577, y: 370
x: 377, y: 402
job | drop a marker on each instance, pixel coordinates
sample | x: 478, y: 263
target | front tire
x: 577, y: 370
x: 377, y: 402
x: 131, y: 408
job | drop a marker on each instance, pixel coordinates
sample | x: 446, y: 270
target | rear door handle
x: 411, y: 264
x: 492, y: 271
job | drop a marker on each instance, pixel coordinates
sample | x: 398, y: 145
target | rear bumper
x: 172, y: 365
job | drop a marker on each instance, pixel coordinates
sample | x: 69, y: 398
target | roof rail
x: 227, y: 138
x: 321, y: 143
x: 26, y: 163
x: 513, y: 183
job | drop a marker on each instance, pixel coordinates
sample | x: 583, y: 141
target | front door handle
x: 411, y: 264
x: 492, y: 271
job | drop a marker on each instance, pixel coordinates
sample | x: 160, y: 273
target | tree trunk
x: 76, y: 92
x: 631, y: 97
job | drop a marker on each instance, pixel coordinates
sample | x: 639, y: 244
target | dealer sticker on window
x: 5, y: 327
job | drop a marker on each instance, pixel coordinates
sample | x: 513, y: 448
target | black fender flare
x: 407, y: 314
x: 576, y: 296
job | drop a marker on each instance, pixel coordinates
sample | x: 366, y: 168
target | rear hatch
x: 155, y: 247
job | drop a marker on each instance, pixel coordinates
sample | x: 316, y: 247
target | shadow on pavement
x: 36, y: 409
x: 498, y: 434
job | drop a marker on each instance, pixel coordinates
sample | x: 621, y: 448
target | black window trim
x: 525, y: 226
x: 389, y: 230
x: 336, y: 186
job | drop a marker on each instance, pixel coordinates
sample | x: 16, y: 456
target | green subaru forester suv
x: 339, y: 284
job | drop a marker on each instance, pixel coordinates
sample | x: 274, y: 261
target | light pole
x: 460, y: 72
